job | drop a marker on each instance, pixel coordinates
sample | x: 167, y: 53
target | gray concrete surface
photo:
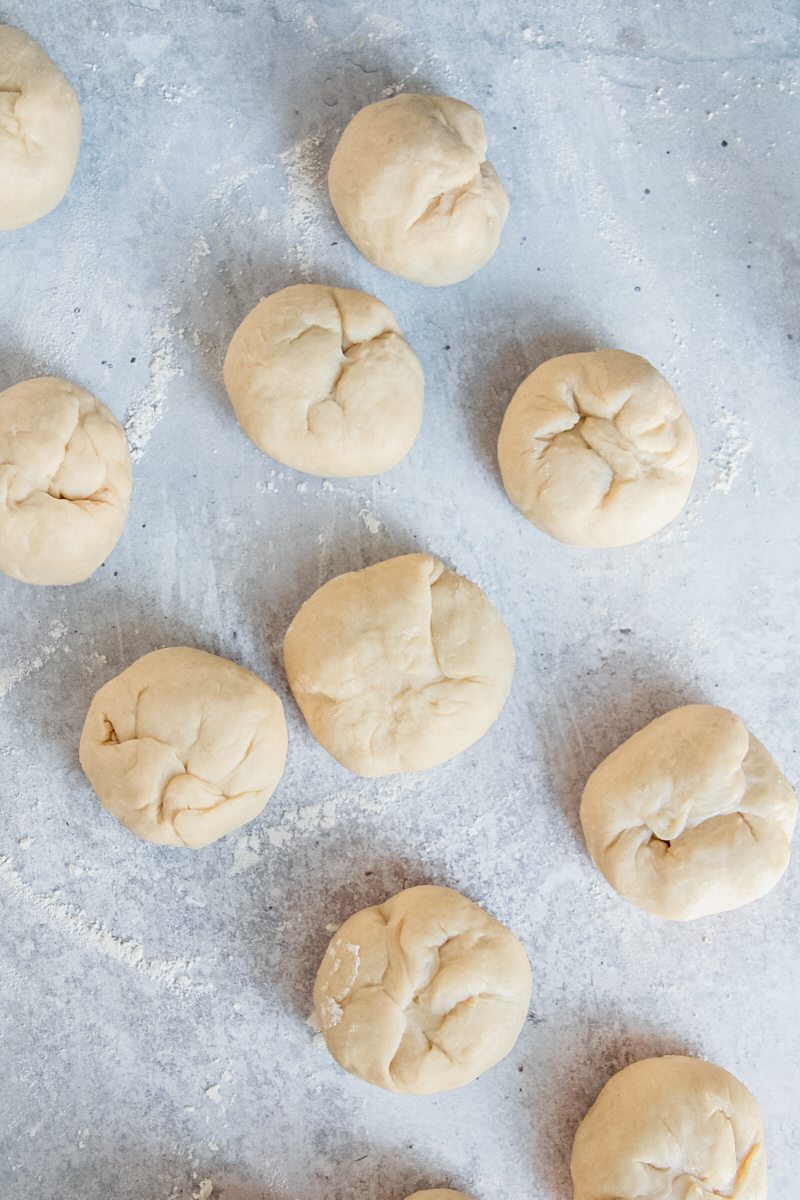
x: 153, y: 1041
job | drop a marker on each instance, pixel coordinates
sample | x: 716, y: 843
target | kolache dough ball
x: 671, y: 1128
x: 439, y: 1194
x: 400, y: 666
x: 65, y: 482
x: 184, y: 746
x: 423, y: 993
x: 412, y: 188
x: 690, y: 816
x: 40, y: 131
x: 321, y: 379
x: 596, y: 450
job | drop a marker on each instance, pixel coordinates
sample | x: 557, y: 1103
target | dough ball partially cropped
x: 671, y: 1127
x: 40, y: 131
x: 398, y: 667
x: 183, y: 746
x: 439, y: 1194
x: 690, y: 816
x: 596, y: 450
x: 321, y: 379
x: 412, y: 188
x: 65, y: 482
x: 423, y: 993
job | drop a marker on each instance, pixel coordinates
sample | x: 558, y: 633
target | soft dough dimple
x: 40, y: 131
x: 671, y: 1128
x: 400, y: 666
x: 65, y: 482
x: 412, y: 188
x: 596, y: 450
x: 690, y: 816
x: 184, y: 746
x: 321, y: 379
x: 423, y: 993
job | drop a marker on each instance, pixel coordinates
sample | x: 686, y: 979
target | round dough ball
x: 400, y: 666
x: 412, y: 188
x: 690, y: 816
x: 439, y: 1194
x: 423, y: 993
x: 65, y: 482
x: 671, y: 1127
x: 321, y: 379
x: 184, y: 746
x: 40, y: 131
x: 596, y: 450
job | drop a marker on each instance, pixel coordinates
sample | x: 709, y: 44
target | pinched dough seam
x: 453, y: 195
x: 100, y: 496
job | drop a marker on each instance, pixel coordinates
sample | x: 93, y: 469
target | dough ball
x: 439, y: 1194
x: 671, y: 1127
x: 423, y: 993
x: 596, y: 450
x: 398, y: 667
x: 690, y: 816
x: 322, y: 380
x: 412, y: 188
x: 183, y: 746
x: 40, y: 131
x: 65, y: 482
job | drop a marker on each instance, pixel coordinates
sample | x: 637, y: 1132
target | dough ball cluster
x: 183, y: 746
x: 423, y: 993
x: 412, y: 188
x: 671, y: 1127
x: 690, y: 816
x: 65, y: 482
x: 322, y: 379
x: 596, y: 450
x: 400, y: 666
x: 40, y: 131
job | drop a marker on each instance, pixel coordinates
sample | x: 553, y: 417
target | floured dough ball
x: 322, y: 379
x: 667, y: 1128
x: 398, y: 667
x: 690, y: 816
x: 423, y: 993
x: 412, y: 188
x: 439, y: 1194
x: 183, y: 746
x: 65, y: 482
x: 40, y: 131
x: 596, y: 450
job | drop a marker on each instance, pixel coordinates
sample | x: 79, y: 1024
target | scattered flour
x: 23, y: 667
x: 144, y: 414
x: 734, y: 446
x: 246, y: 853
x: 204, y: 1190
x: 213, y: 1094
x: 372, y: 523
x: 304, y: 173
x: 94, y: 936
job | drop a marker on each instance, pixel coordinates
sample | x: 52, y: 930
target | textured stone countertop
x: 153, y: 1036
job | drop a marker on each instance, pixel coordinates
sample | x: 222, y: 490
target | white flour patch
x: 372, y: 523
x: 96, y: 937
x: 304, y: 174
x: 144, y: 414
x: 23, y: 667
x: 246, y: 853
x: 734, y: 446
x: 379, y: 798
x: 204, y: 1190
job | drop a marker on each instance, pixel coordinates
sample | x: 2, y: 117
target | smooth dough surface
x: 40, y: 131
x: 412, y: 188
x: 671, y: 1128
x: 321, y: 379
x: 65, y: 482
x: 184, y: 746
x: 596, y: 450
x: 400, y: 666
x: 423, y: 993
x: 690, y: 816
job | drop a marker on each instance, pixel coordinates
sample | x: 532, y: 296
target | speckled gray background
x: 152, y: 1031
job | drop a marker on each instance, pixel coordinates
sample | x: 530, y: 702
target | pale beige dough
x: 596, y: 450
x: 321, y: 379
x: 183, y: 746
x: 671, y: 1128
x: 439, y: 1194
x: 65, y: 482
x: 412, y: 188
x: 400, y: 666
x: 690, y: 816
x: 40, y: 131
x: 423, y: 993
